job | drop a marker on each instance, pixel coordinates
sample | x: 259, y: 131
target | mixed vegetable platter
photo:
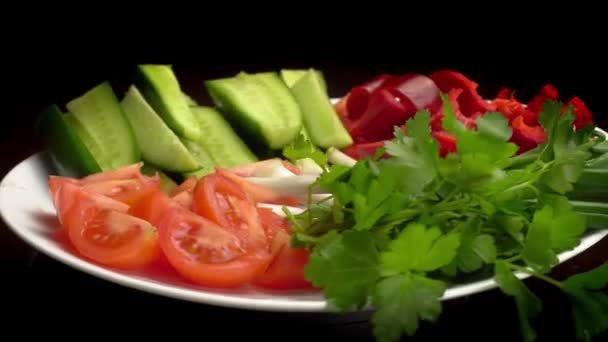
x: 383, y: 198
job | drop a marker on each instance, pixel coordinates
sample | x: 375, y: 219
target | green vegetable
x: 401, y: 230
x: 301, y: 148
x: 320, y: 119
x: 292, y: 76
x: 219, y: 140
x: 259, y: 106
x: 159, y: 145
x: 69, y: 154
x: 105, y: 127
x: 160, y: 87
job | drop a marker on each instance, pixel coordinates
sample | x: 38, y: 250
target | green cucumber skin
x: 159, y: 145
x: 259, y: 106
x: 320, y: 119
x: 160, y: 87
x: 100, y: 114
x: 91, y: 144
x: 219, y: 139
x: 70, y: 156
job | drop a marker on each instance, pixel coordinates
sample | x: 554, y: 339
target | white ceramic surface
x: 26, y: 207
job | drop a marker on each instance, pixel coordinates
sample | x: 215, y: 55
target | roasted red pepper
x: 525, y: 136
x: 470, y: 101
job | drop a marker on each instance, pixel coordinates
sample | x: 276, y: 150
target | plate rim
x: 206, y: 296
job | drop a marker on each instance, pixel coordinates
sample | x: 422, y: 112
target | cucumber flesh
x: 67, y: 151
x: 102, y: 118
x: 205, y: 162
x: 160, y: 87
x: 190, y: 100
x: 292, y: 76
x: 320, y: 119
x: 159, y: 145
x: 220, y: 140
x: 93, y: 146
x: 259, y: 106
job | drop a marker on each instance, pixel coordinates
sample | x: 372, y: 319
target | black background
x: 53, y: 66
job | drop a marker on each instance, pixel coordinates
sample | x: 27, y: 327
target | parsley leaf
x: 301, y: 147
x: 538, y: 252
x: 589, y: 303
x: 346, y: 267
x: 401, y: 301
x: 474, y: 250
x: 419, y: 249
x: 561, y: 147
x: 416, y: 154
x: 528, y: 304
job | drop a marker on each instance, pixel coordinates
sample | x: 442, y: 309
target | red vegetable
x: 547, y: 92
x: 363, y: 150
x: 525, y: 136
x: 447, y: 142
x: 582, y: 114
x: 437, y: 118
x: 359, y: 97
x: 383, y: 112
x: 415, y: 91
x: 470, y: 101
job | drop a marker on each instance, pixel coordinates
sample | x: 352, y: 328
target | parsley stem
x: 514, y: 258
x: 537, y: 275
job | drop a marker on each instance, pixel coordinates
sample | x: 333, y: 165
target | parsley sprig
x: 397, y: 232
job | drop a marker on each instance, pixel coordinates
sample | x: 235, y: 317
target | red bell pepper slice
x: 512, y: 108
x: 360, y: 96
x: 415, y: 91
x: 364, y: 150
x: 503, y: 93
x: 437, y: 118
x: 582, y: 114
x: 383, y: 113
x: 525, y: 136
x: 447, y: 142
x: 470, y: 101
x: 547, y: 92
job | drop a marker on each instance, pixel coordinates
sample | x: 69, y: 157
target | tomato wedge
x: 207, y: 253
x: 107, y: 236
x: 286, y: 272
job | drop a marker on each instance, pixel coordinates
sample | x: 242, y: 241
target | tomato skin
x: 206, y: 253
x: 64, y: 194
x: 109, y: 237
x: 286, y: 271
x: 151, y: 207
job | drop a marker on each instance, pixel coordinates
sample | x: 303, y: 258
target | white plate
x: 26, y: 207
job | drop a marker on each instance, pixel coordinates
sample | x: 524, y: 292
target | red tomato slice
x: 225, y: 202
x: 287, y: 268
x: 128, y: 191
x: 151, y: 207
x: 126, y: 172
x: 206, y: 253
x: 110, y: 237
x: 64, y: 193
